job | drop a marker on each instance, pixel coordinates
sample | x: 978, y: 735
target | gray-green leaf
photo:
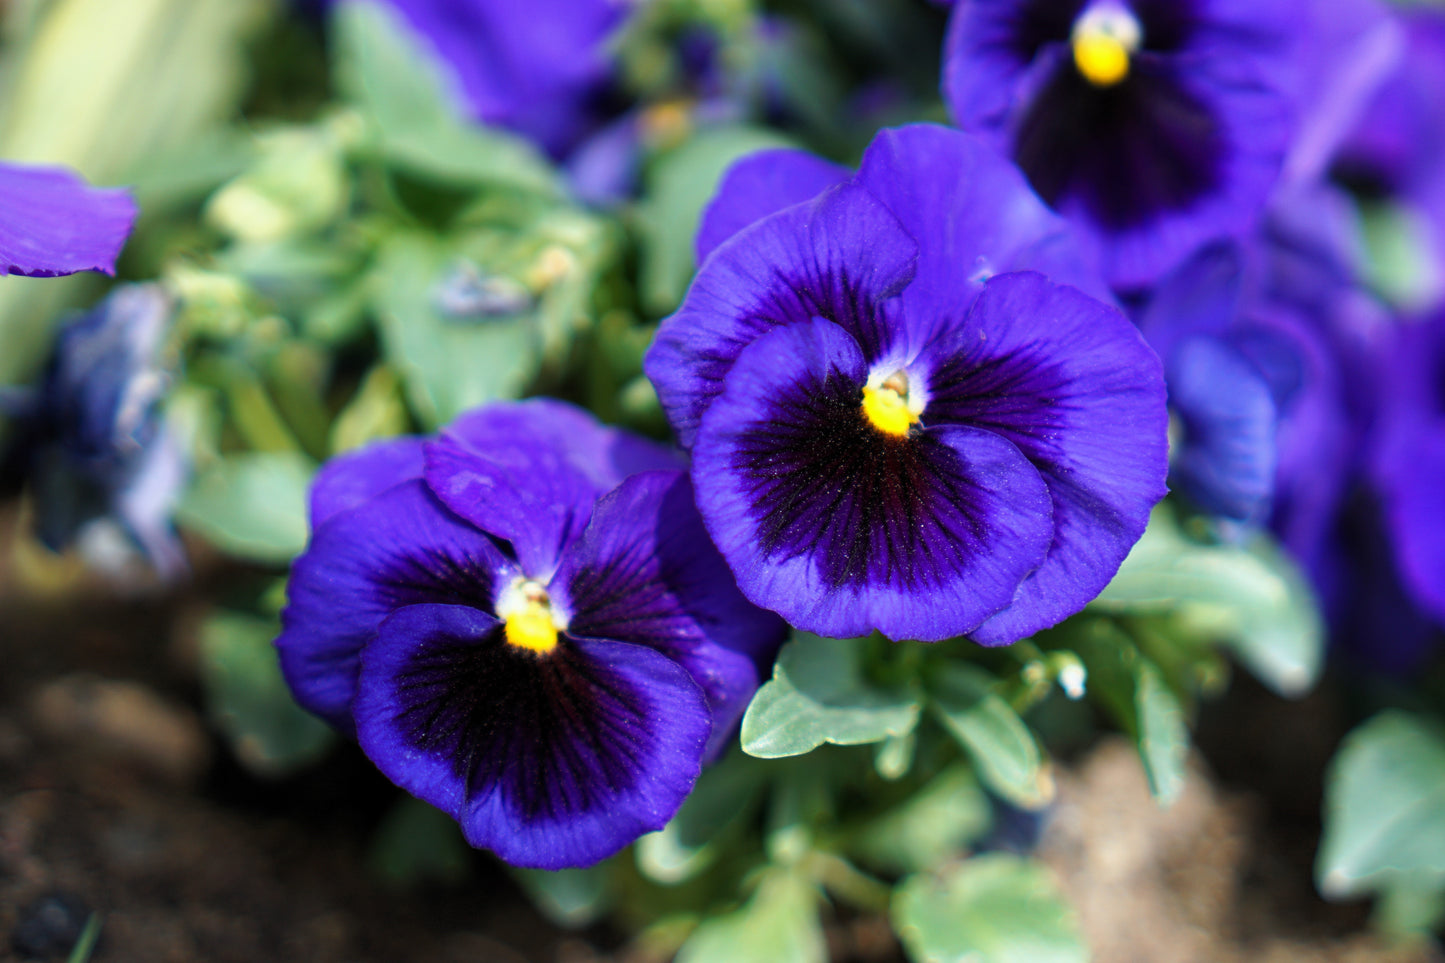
x: 253, y: 505
x: 992, y: 909
x: 1384, y: 807
x: 997, y: 740
x: 818, y: 695
x: 778, y: 925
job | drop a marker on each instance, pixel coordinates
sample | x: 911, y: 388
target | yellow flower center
x: 886, y: 405
x: 527, y: 614
x: 1104, y: 40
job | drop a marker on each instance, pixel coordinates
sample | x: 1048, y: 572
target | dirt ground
x: 116, y: 798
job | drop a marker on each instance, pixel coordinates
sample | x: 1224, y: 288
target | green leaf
x: 1252, y: 596
x: 680, y: 186
x: 1384, y: 807
x: 991, y: 909
x: 383, y: 70
x: 570, y: 898
x: 1163, y: 736
x: 417, y: 843
x: 1132, y: 689
x: 447, y: 367
x: 253, y: 505
x: 778, y: 925
x: 935, y: 824
x: 249, y: 699
x: 818, y: 695
x: 996, y: 739
x: 1410, y: 905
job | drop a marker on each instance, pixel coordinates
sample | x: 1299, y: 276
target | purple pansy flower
x: 887, y: 431
x: 524, y: 623
x: 1152, y: 125
x: 93, y: 445
x: 55, y: 224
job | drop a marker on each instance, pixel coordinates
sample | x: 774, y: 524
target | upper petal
x: 762, y: 184
x: 549, y: 762
x: 842, y: 529
x: 1069, y: 381
x: 840, y: 257
x: 55, y: 224
x: 358, y: 476
x: 401, y: 547
x: 646, y: 572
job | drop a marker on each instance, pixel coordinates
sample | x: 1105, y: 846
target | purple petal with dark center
x: 762, y: 184
x: 551, y: 761
x: 358, y: 476
x: 1070, y: 382
x: 55, y: 224
x: 402, y: 547
x: 842, y: 529
x: 646, y: 572
x: 839, y: 257
x: 605, y: 455
x: 527, y: 493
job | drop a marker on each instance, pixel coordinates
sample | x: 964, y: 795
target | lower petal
x: 56, y: 224
x: 842, y: 529
x: 549, y: 762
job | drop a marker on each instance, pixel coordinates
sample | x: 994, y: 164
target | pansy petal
x: 401, y: 547
x: 762, y: 184
x: 972, y: 214
x: 842, y: 529
x: 1227, y: 455
x: 605, y: 455
x: 357, y: 476
x: 1072, y: 384
x: 549, y: 762
x: 838, y: 257
x: 529, y: 494
x: 646, y: 572
x: 55, y: 224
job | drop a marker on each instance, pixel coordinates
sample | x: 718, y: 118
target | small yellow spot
x: 1104, y: 39
x: 887, y: 410
x: 531, y: 627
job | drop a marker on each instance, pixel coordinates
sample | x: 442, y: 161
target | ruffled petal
x: 549, y: 762
x: 1070, y: 382
x: 401, y: 547
x: 762, y: 184
x: 842, y: 529
x: 838, y: 257
x: 55, y: 224
x: 972, y: 214
x: 645, y: 572
x: 358, y: 476
x: 524, y: 491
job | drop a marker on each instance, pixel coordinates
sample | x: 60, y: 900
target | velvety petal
x: 1414, y: 501
x: 605, y: 455
x: 550, y: 761
x: 838, y: 257
x: 1201, y: 297
x: 646, y: 572
x: 401, y: 547
x: 1070, y: 382
x: 842, y: 529
x: 55, y: 224
x: 762, y: 184
x: 357, y: 476
x: 1227, y: 455
x: 972, y: 214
